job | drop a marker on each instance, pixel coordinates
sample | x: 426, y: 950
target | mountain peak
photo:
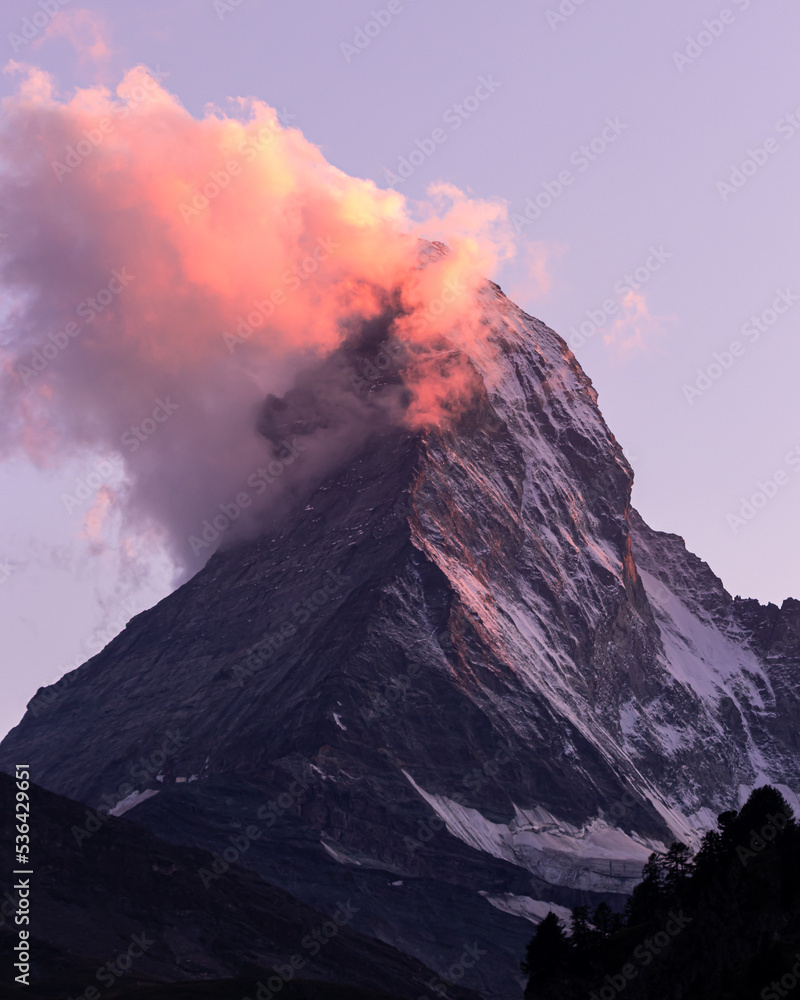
x: 460, y: 659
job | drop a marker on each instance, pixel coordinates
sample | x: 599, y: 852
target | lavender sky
x: 649, y: 159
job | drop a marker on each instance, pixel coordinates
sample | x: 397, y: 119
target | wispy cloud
x: 533, y: 277
x: 85, y: 30
x: 636, y: 328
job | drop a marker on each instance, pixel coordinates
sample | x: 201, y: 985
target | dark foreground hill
x: 121, y: 912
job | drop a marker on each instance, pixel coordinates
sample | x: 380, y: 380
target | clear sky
x: 648, y: 155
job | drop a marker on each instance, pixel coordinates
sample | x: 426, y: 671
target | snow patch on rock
x: 596, y: 856
x: 132, y: 800
x: 534, y: 910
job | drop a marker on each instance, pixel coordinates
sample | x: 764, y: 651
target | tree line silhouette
x: 723, y: 924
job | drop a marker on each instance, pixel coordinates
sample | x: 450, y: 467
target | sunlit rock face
x: 458, y: 681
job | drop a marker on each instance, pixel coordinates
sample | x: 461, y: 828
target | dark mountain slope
x: 122, y: 894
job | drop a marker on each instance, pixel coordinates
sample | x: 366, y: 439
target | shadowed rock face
x: 774, y: 631
x: 122, y: 909
x: 461, y: 680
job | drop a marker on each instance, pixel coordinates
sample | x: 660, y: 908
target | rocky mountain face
x: 461, y: 682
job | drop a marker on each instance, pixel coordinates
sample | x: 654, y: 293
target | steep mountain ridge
x: 477, y: 681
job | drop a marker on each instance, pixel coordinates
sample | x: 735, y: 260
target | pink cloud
x: 636, y: 328
x: 152, y: 255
